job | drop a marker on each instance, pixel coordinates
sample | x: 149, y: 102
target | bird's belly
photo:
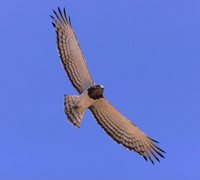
x: 85, y: 101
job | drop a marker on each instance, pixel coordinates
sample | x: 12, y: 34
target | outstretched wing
x: 70, y: 52
x: 123, y: 131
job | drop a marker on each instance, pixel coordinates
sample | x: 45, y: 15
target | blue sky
x: 147, y: 56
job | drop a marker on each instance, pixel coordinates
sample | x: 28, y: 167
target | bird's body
x: 84, y: 101
x: 91, y: 96
x: 75, y: 106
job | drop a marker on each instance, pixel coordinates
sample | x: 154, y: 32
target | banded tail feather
x: 73, y: 112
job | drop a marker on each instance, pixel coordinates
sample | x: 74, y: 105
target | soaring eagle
x: 91, y: 95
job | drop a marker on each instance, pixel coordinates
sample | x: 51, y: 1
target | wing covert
x: 70, y: 53
x: 123, y: 131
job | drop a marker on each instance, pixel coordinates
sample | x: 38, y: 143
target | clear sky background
x: 145, y: 53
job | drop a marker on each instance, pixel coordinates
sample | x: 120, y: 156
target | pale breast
x: 85, y: 101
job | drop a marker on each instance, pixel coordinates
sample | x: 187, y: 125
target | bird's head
x: 96, y: 91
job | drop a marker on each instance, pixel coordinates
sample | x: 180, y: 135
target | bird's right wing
x: 123, y: 131
x: 70, y: 52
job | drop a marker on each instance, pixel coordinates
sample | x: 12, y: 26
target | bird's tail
x: 73, y: 112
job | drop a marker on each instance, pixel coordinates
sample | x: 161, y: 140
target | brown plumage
x: 123, y: 131
x: 91, y: 96
x: 70, y: 53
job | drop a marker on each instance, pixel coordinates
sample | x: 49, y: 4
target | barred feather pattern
x: 70, y: 52
x: 73, y: 113
x: 123, y: 131
x: 118, y: 127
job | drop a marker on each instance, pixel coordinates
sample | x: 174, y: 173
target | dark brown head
x: 96, y: 91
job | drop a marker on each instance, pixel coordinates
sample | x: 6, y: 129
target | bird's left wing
x: 70, y: 52
x: 123, y: 131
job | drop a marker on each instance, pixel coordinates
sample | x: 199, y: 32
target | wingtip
x: 65, y: 14
x: 54, y: 25
x: 59, y: 11
x: 70, y: 21
x: 161, y: 155
x: 160, y: 149
x: 145, y: 158
x: 153, y: 140
x: 51, y: 16
x: 157, y: 158
x: 54, y: 11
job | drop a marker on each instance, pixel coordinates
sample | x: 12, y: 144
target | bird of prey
x: 118, y: 127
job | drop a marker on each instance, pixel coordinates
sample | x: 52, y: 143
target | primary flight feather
x: 91, y: 95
